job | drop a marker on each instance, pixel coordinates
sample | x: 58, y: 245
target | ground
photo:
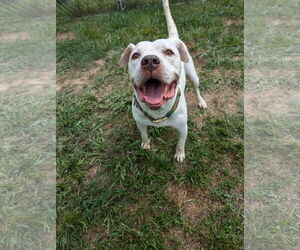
x: 27, y: 124
x: 110, y: 192
x: 272, y: 137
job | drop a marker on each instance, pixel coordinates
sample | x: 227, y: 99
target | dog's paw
x: 179, y: 156
x: 202, y: 104
x: 145, y: 145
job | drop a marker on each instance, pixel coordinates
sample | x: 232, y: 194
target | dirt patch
x: 271, y: 74
x: 36, y: 82
x: 270, y: 99
x: 224, y: 100
x: 84, y: 77
x: 132, y: 209
x: 114, y: 52
x: 65, y: 36
x: 107, y: 90
x: 291, y: 58
x: 292, y: 193
x: 107, y: 128
x: 13, y: 36
x: 275, y: 168
x: 187, y: 241
x: 194, y: 203
x: 225, y: 73
x: 92, y: 173
x: 92, y: 235
x: 199, y: 64
x: 229, y: 21
x: 276, y: 22
x: 240, y: 57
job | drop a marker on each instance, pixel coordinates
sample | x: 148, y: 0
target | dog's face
x: 154, y: 69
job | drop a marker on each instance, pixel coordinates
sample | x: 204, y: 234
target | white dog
x: 158, y: 72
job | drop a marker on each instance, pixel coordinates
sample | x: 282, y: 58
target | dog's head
x: 154, y: 69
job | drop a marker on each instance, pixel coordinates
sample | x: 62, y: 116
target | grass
x: 272, y: 148
x: 110, y: 192
x: 34, y: 19
x: 27, y: 212
x: 27, y: 164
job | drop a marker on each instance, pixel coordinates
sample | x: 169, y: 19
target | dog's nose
x: 150, y: 62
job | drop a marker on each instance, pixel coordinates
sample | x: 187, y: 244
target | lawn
x: 110, y: 192
x: 27, y: 124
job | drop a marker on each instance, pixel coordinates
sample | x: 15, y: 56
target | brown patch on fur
x: 194, y: 203
x: 13, y: 36
x: 84, y: 78
x: 65, y: 36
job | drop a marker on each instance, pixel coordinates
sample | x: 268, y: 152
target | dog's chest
x: 179, y: 116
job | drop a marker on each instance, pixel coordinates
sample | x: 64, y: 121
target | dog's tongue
x: 154, y: 92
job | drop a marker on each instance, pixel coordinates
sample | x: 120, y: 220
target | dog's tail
x: 172, y: 30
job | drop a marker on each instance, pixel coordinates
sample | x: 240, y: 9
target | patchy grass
x: 113, y: 194
x: 27, y: 125
x: 27, y: 176
x: 272, y: 115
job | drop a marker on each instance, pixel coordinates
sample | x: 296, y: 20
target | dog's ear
x: 125, y: 55
x: 183, y: 51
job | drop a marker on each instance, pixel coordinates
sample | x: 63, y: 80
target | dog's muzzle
x: 155, y: 93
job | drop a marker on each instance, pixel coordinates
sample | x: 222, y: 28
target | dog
x: 158, y: 72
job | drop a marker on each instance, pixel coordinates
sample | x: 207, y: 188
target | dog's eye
x: 169, y: 52
x: 135, y: 56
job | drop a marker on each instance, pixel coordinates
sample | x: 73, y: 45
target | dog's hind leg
x: 191, y: 74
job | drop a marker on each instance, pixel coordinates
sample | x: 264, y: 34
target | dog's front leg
x: 145, y: 139
x: 180, y: 148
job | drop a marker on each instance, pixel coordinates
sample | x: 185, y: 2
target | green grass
x: 272, y: 147
x: 271, y: 179
x: 27, y: 212
x: 27, y: 125
x: 36, y: 51
x: 110, y: 192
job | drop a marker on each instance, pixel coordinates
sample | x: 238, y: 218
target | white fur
x: 171, y: 68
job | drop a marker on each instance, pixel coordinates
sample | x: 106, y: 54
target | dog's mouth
x: 155, y: 93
